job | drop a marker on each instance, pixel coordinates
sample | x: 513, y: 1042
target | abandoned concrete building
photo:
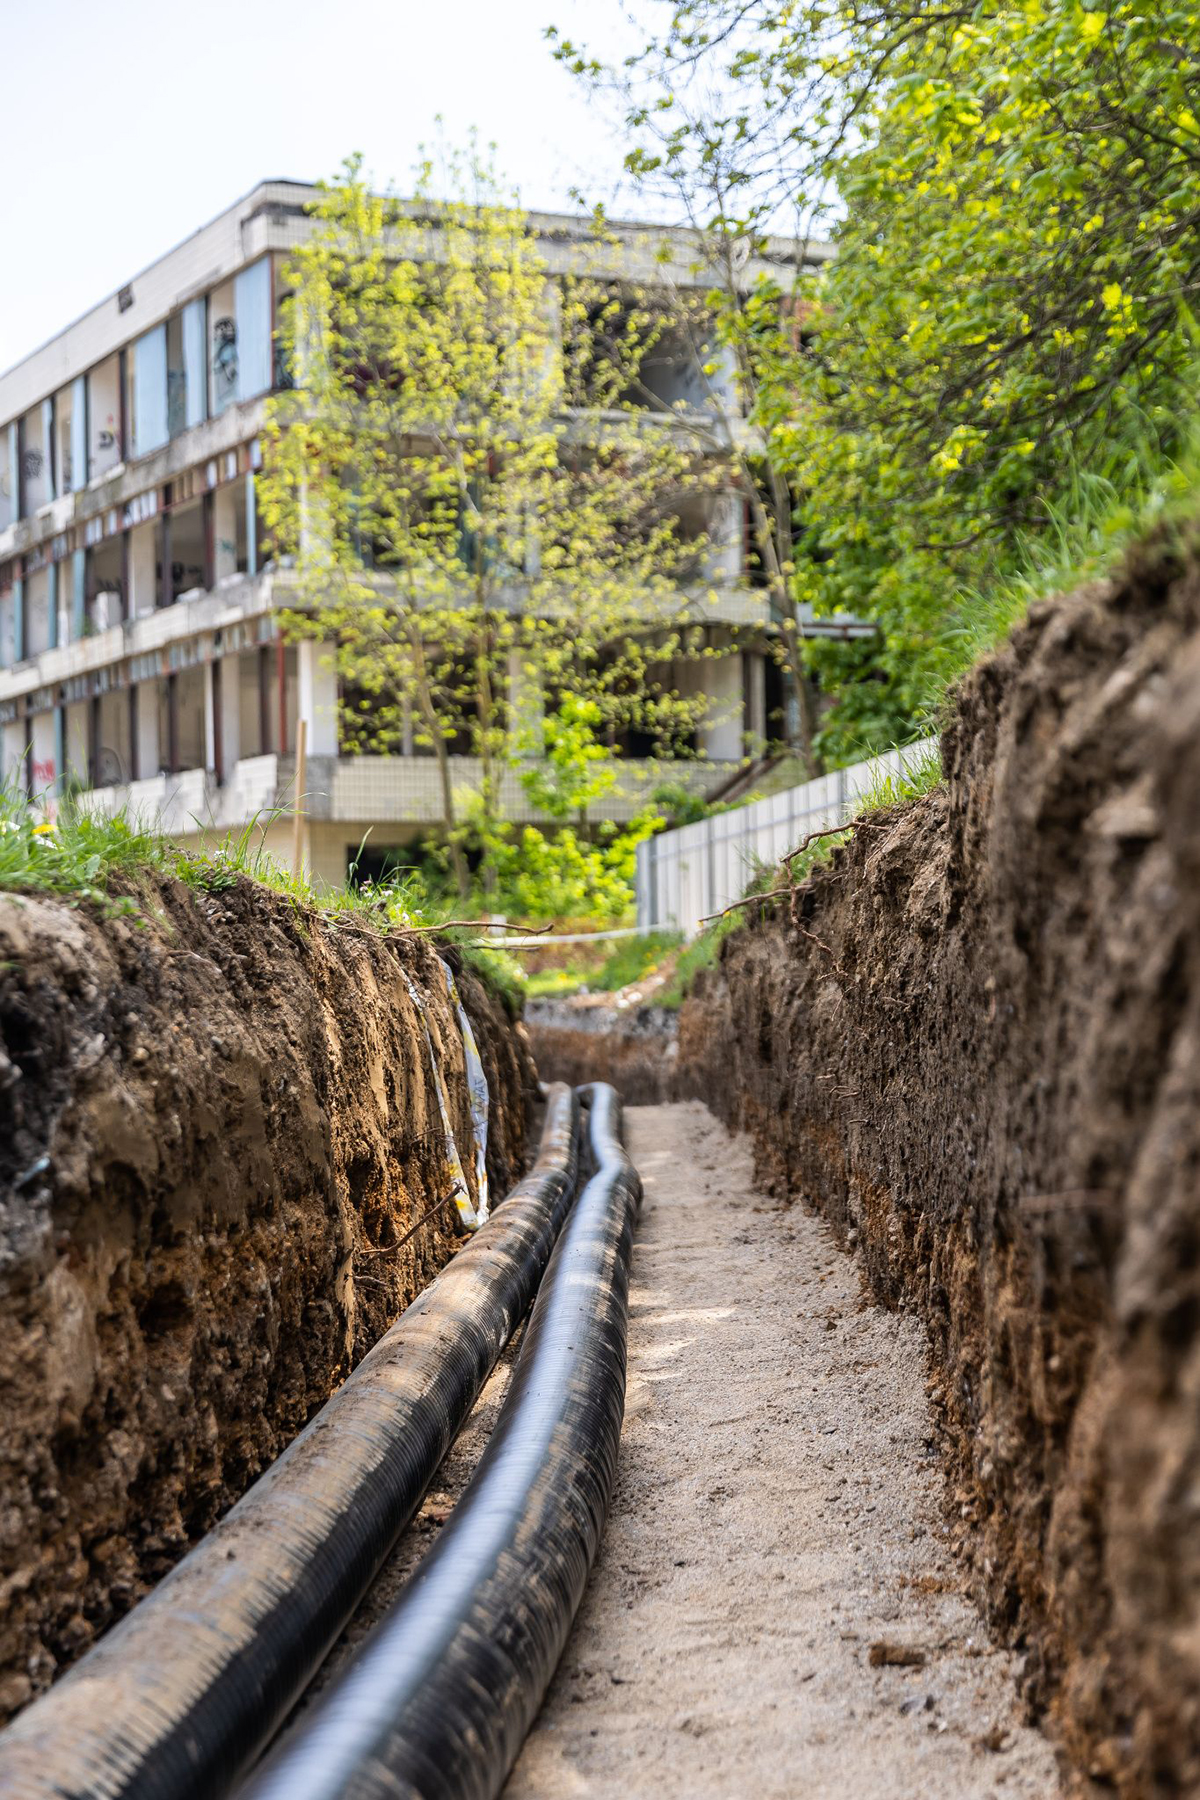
x: 140, y: 654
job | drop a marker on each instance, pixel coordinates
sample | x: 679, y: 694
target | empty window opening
x: 253, y: 699
x: 111, y: 747
x: 181, y: 723
x: 104, y: 586
x: 37, y: 612
x: 142, y: 569
x: 182, y: 552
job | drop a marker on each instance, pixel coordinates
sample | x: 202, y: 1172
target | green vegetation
x: 999, y: 365
x: 700, y: 954
x: 605, y: 970
x: 484, y: 525
x: 78, y: 856
x: 919, y: 774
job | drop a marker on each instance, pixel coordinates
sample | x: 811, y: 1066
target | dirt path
x: 776, y: 1514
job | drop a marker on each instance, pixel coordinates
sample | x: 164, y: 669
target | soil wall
x: 217, y: 1120
x: 974, y: 1043
x: 635, y: 1047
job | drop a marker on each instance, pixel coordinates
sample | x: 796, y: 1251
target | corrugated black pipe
x: 180, y: 1697
x: 437, y: 1704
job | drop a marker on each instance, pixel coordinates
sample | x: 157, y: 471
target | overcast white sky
x: 129, y: 124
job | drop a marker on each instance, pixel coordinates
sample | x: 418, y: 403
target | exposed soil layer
x: 634, y: 1047
x: 974, y: 1043
x: 217, y: 1121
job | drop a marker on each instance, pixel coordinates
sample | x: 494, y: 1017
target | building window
x: 252, y: 307
x: 148, y: 391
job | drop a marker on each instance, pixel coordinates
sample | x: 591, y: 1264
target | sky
x: 139, y: 121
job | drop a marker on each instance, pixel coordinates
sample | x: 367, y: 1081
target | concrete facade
x: 139, y: 651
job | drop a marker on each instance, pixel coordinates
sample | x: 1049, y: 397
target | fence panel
x: 686, y: 875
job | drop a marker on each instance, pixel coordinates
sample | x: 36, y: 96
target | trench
x: 230, y: 1136
x: 775, y: 1525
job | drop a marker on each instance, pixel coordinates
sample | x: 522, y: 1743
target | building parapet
x: 381, y: 791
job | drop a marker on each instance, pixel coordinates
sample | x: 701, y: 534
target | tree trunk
x: 768, y: 550
x: 485, y: 707
x: 458, y: 862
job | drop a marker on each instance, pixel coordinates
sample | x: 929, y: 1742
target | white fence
x: 686, y: 875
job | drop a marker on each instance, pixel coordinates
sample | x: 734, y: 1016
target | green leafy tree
x: 478, y: 519
x: 1013, y: 193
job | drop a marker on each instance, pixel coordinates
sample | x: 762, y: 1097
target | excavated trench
x: 219, y: 1124
x: 972, y: 1042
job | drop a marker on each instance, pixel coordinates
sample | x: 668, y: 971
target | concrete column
x: 45, y: 764
x: 231, y: 712
x: 211, y: 717
x: 224, y: 531
x: 12, y: 750
x: 149, y: 754
x: 720, y: 734
x: 78, y: 594
x: 251, y: 525
x: 143, y: 561
x: 755, y: 685
x: 49, y: 450
x: 77, y: 761
x: 316, y: 667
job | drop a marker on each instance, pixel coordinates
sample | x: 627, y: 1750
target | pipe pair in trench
x: 177, y: 1701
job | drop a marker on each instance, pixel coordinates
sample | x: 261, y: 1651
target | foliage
x: 497, y: 969
x: 562, y: 874
x: 1014, y: 194
x: 574, y: 768
x: 75, y: 855
x: 480, y: 517
x: 626, y: 961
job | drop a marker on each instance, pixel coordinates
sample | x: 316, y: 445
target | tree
x: 480, y: 518
x: 1013, y: 191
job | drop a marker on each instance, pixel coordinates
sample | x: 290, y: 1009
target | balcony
x: 402, y: 791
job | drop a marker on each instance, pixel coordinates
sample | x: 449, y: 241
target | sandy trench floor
x: 777, y: 1513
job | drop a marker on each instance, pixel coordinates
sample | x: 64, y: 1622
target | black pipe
x: 437, y: 1704
x: 180, y: 1697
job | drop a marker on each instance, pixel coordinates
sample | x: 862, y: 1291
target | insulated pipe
x: 178, y: 1699
x: 437, y: 1704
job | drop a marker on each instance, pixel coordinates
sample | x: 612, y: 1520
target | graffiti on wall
x: 224, y: 363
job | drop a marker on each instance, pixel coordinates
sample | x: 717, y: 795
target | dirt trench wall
x: 975, y: 1045
x: 217, y: 1120
x: 635, y: 1048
